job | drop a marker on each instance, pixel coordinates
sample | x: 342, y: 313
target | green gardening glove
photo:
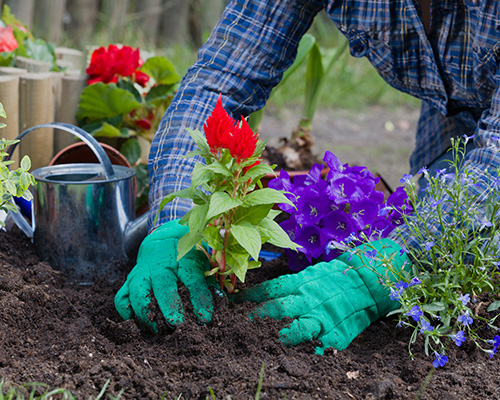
x: 158, y: 272
x: 328, y: 301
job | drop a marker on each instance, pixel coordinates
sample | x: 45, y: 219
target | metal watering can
x: 82, y: 215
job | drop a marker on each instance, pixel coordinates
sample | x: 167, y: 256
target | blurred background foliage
x: 177, y: 28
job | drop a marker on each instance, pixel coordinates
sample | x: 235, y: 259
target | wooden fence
x: 32, y: 95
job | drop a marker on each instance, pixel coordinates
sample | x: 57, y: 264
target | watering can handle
x: 81, y: 134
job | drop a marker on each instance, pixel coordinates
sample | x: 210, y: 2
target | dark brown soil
x: 71, y: 336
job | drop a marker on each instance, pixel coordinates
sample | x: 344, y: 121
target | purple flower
x: 422, y: 170
x: 458, y: 338
x: 465, y: 319
x: 312, y: 240
x: 332, y: 161
x: 440, y: 360
x: 426, y: 326
x: 338, y: 225
x: 415, y: 313
x: 297, y: 261
x: 311, y: 208
x: 464, y: 298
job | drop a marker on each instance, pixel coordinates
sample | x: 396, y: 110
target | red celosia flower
x: 106, y: 65
x: 243, y: 142
x: 7, y: 40
x: 218, y: 127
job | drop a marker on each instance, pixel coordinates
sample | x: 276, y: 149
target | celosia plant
x: 126, y: 98
x: 337, y: 209
x: 455, y: 267
x: 231, y: 218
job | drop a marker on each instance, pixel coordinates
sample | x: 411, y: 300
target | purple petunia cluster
x: 333, y: 211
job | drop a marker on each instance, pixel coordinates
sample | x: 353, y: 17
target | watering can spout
x: 135, y: 232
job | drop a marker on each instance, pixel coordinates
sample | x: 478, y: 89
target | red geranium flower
x: 7, y: 40
x: 107, y: 65
x: 218, y: 127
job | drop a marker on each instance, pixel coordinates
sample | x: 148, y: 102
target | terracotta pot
x: 80, y: 153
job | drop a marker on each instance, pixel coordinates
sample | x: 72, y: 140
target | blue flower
x: 440, y: 360
x: 464, y: 298
x: 415, y: 281
x: 371, y: 254
x: 401, y: 286
x: 422, y: 170
x: 458, y: 338
x: 429, y: 245
x: 426, y: 326
x: 496, y: 343
x: 415, y: 313
x: 395, y: 295
x: 465, y: 319
x: 403, y: 250
x: 406, y: 178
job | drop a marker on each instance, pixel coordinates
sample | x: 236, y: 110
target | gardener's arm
x: 244, y: 58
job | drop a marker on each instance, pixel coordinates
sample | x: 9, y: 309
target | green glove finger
x: 141, y: 298
x: 191, y: 274
x: 122, y: 302
x: 301, y: 330
x: 290, y: 306
x: 167, y: 296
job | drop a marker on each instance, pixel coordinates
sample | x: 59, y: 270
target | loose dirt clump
x: 71, y: 336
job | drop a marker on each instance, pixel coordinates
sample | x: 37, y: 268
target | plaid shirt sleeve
x: 485, y: 157
x: 244, y: 58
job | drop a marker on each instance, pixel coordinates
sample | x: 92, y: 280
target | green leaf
x: 200, y: 140
x: 212, y: 237
x: 220, y: 202
x: 252, y: 214
x: 186, y: 243
x: 434, y: 307
x: 265, y: 196
x: 25, y: 163
x: 200, y: 175
x: 109, y: 131
x: 161, y: 70
x: 131, y: 149
x: 248, y: 236
x: 2, y: 111
x: 39, y: 50
x: 258, y: 171
x: 197, y: 218
x: 129, y: 86
x: 494, y: 306
x: 159, y: 93
x: 100, y: 100
x: 238, y: 262
x: 277, y: 236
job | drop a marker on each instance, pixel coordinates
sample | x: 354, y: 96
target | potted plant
x: 124, y: 102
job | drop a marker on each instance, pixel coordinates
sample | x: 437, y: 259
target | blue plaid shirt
x: 453, y: 69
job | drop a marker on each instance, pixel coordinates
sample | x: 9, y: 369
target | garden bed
x: 71, y: 336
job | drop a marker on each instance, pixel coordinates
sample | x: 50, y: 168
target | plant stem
x: 426, y: 382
